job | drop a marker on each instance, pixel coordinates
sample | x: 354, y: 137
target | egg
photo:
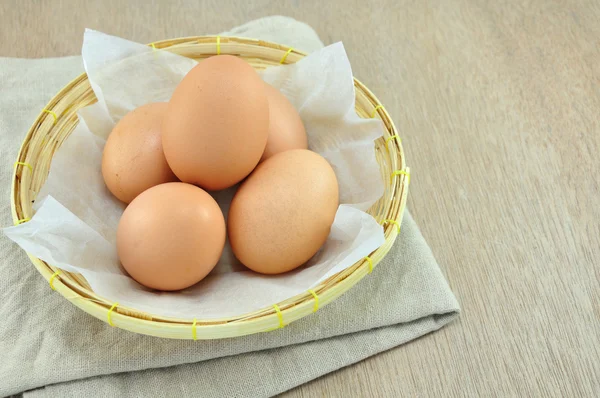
x: 171, y: 236
x: 217, y: 123
x: 133, y: 158
x: 286, y: 130
x: 282, y: 214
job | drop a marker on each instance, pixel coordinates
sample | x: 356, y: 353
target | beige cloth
x: 48, y: 344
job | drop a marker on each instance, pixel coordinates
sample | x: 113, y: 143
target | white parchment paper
x: 74, y: 227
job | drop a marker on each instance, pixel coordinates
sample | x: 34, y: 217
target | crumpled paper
x: 74, y: 227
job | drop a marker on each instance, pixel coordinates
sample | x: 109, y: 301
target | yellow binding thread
x: 279, y: 315
x: 316, y: 307
x: 375, y: 110
x: 387, y: 141
x: 194, y: 330
x: 218, y: 45
x: 24, y: 164
x: 51, y: 281
x: 53, y: 115
x: 400, y: 172
x: 286, y: 55
x: 154, y: 50
x: 370, y: 264
x: 109, y: 312
x: 21, y: 221
x: 396, y: 223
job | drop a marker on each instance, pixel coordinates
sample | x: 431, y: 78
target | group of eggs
x: 222, y: 126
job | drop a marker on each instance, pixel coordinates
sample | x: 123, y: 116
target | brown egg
x: 133, y: 158
x: 171, y: 236
x: 282, y: 214
x: 286, y: 130
x: 216, y: 126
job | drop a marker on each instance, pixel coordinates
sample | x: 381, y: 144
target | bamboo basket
x: 59, y: 118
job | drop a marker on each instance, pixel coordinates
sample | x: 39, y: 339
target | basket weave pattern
x: 59, y: 118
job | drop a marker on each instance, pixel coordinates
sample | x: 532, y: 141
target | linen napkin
x: 49, y: 347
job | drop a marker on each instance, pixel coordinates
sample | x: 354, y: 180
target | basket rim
x: 266, y: 319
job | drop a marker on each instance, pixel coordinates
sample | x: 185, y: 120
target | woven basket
x: 59, y: 118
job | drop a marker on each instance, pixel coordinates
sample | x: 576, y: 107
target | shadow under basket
x: 59, y: 118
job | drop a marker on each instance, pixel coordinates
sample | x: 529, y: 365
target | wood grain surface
x: 498, y: 103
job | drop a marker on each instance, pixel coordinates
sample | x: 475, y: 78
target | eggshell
x: 282, y: 214
x: 216, y: 126
x: 286, y: 130
x: 133, y: 158
x: 171, y: 236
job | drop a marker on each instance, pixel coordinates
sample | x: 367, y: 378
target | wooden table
x: 498, y: 104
